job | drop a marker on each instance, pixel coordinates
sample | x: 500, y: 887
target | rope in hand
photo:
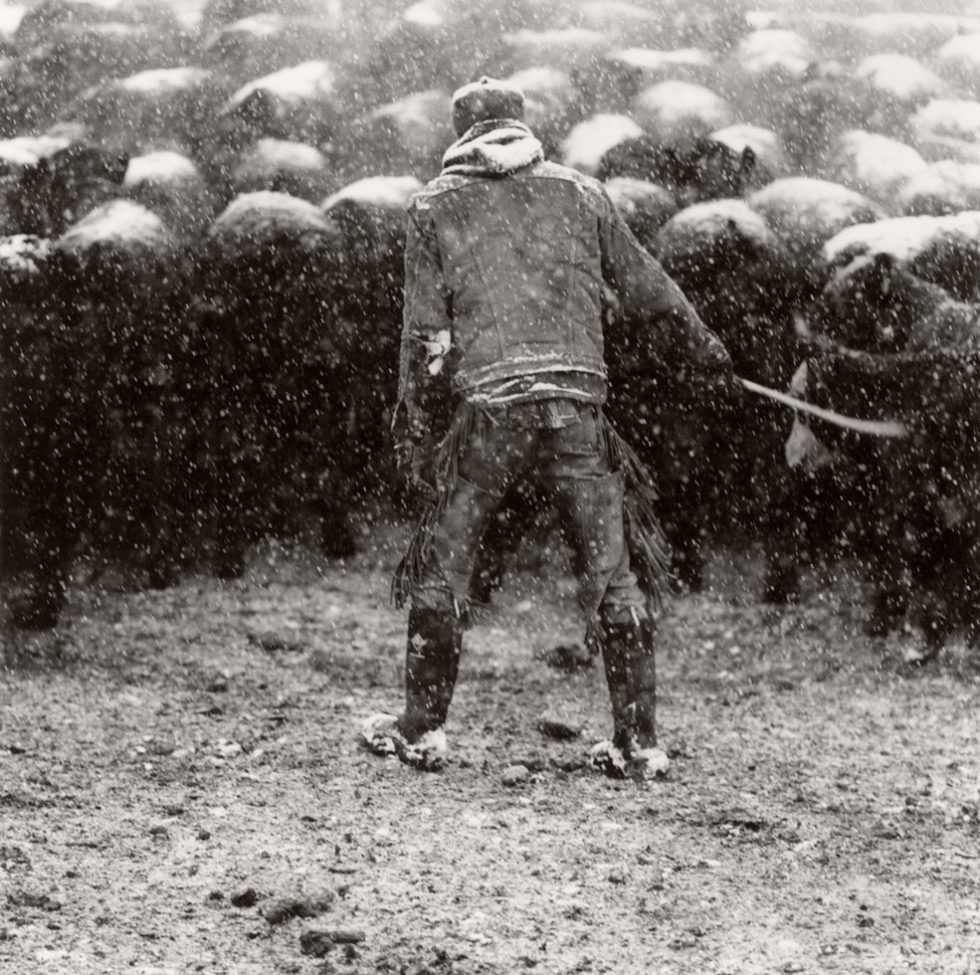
x: 878, y: 428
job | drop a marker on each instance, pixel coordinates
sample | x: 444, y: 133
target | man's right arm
x: 647, y: 294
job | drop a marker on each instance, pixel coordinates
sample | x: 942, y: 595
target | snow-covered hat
x: 488, y: 98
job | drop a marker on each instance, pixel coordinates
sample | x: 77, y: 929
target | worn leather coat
x: 507, y: 277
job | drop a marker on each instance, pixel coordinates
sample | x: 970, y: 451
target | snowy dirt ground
x: 165, y: 752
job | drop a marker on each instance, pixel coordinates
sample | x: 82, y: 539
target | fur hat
x: 488, y: 98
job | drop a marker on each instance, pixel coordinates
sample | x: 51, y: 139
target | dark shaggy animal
x: 877, y: 305
x: 704, y: 169
x: 921, y: 498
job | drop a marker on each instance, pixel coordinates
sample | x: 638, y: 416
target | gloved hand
x: 715, y: 373
x: 703, y: 358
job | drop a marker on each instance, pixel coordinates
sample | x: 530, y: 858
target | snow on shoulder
x: 901, y: 237
x: 944, y: 187
x: 567, y: 48
x: 160, y: 168
x: 119, y: 225
x: 270, y: 156
x: 644, y: 206
x: 550, y: 95
x: 649, y: 59
x: 590, y: 140
x: 677, y: 110
x: 264, y: 217
x: 875, y: 164
x: 687, y: 232
x: 309, y: 81
x: 258, y: 27
x: 25, y: 150
x: 915, y: 34
x: 10, y: 18
x: 765, y: 143
x: 612, y: 17
x: 425, y: 13
x: 653, y: 65
x: 944, y: 250
x: 900, y: 77
x: 807, y: 209
x: 959, y: 59
x: 772, y: 51
x: 544, y: 82
x: 382, y: 192
x: 23, y: 257
x: 164, y: 81
x: 947, y: 119
x: 415, y: 116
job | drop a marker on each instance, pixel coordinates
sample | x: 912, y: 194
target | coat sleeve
x: 423, y: 382
x: 648, y: 295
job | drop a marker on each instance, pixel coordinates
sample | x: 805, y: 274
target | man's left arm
x: 423, y: 380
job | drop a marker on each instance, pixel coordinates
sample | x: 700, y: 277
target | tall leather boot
x: 631, y: 673
x: 431, y: 664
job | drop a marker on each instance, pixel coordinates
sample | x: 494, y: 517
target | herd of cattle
x: 202, y: 209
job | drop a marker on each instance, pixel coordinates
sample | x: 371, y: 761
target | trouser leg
x: 439, y: 598
x: 592, y: 500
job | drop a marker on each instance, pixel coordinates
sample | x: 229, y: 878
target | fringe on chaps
x: 648, y: 547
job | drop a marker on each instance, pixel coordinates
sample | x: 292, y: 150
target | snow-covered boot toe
x: 606, y: 758
x: 428, y: 752
x: 381, y: 734
x: 641, y: 764
x: 648, y: 763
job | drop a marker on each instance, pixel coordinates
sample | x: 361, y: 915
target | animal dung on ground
x: 286, y: 908
x: 568, y: 657
x: 558, y: 730
x: 317, y: 944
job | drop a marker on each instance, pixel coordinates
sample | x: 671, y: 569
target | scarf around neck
x: 496, y: 147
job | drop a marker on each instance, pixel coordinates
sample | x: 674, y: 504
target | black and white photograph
x: 490, y: 486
